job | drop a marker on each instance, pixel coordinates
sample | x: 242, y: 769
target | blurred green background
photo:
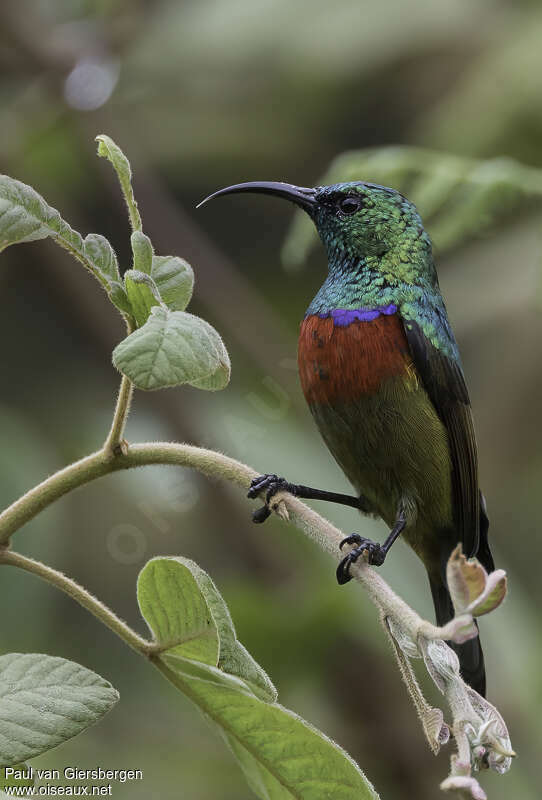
x: 199, y: 95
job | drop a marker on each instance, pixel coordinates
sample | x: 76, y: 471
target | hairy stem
x: 102, y: 463
x: 215, y: 465
x: 26, y: 507
x: 122, y: 409
x: 82, y: 596
x: 114, y: 441
x: 407, y: 624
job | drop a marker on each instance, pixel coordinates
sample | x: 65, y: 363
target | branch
x: 114, y: 440
x: 478, y: 728
x: 83, y: 597
x: 101, y: 463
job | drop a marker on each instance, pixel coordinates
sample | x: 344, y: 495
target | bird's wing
x: 444, y: 382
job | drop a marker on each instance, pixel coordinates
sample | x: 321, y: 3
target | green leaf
x: 99, y: 251
x: 180, y: 602
x: 173, y: 348
x: 282, y: 756
x: 142, y: 251
x: 26, y: 217
x: 119, y: 298
x: 458, y: 198
x: 142, y: 294
x: 108, y: 149
x: 233, y: 658
x: 44, y: 701
x: 176, y: 610
x: 16, y: 775
x: 216, y: 381
x: 175, y: 280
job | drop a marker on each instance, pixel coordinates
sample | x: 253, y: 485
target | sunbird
x: 381, y: 372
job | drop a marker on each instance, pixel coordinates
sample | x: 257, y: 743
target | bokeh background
x: 200, y: 94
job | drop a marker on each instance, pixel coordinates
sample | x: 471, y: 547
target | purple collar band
x: 344, y: 316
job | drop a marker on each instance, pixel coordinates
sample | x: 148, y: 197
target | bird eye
x: 349, y: 205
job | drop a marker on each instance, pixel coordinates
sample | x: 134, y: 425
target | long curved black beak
x: 300, y: 195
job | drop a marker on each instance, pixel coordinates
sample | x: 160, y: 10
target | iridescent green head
x: 379, y: 255
x: 361, y: 222
x: 364, y: 220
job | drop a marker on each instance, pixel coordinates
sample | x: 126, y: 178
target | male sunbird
x: 381, y: 372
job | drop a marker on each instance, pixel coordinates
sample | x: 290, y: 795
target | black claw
x: 273, y: 484
x: 273, y: 489
x: 261, y: 483
x: 354, y: 538
x: 261, y: 514
x: 376, y: 555
x: 343, y: 571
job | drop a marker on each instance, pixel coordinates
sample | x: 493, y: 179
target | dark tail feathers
x: 471, y: 657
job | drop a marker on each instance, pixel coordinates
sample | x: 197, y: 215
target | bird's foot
x: 375, y: 551
x: 270, y: 484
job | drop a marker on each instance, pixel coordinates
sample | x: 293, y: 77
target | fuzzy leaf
x: 494, y: 736
x: 492, y: 596
x: 466, y: 579
x: 99, y: 251
x: 173, y: 348
x: 216, y: 381
x: 181, y: 603
x: 44, y: 701
x: 142, y: 294
x: 441, y: 661
x: 233, y: 657
x: 108, y: 149
x: 458, y: 198
x: 176, y: 610
x: 119, y: 298
x: 436, y: 731
x: 142, y: 252
x: 473, y: 591
x: 175, y: 280
x: 282, y: 756
x: 26, y: 217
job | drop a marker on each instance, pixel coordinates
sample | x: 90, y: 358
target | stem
x: 390, y: 605
x: 328, y: 537
x: 41, y: 496
x: 83, y: 597
x: 102, y: 463
x: 432, y: 719
x: 113, y: 443
x: 122, y: 409
x: 215, y: 465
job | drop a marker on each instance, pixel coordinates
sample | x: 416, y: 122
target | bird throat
x: 355, y: 286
